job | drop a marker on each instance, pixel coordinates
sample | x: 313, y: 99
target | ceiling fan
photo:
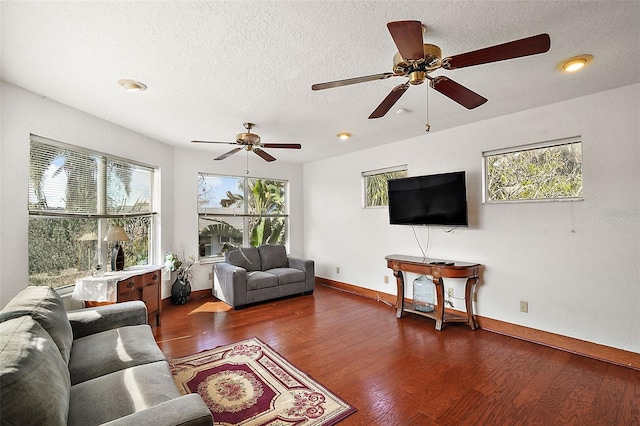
x: 416, y: 60
x: 251, y: 142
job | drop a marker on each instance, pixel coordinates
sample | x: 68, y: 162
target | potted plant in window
x: 181, y: 288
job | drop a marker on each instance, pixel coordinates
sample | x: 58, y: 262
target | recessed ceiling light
x: 576, y: 63
x: 344, y: 135
x: 132, y: 85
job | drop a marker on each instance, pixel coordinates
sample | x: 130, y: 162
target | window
x: 376, y: 187
x: 240, y: 211
x: 547, y: 171
x: 74, y: 196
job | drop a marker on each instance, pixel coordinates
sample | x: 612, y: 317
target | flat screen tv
x: 439, y: 200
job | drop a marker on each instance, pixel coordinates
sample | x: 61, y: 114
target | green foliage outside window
x: 377, y: 187
x: 250, y: 212
x: 552, y: 172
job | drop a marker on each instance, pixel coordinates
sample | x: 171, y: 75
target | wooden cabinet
x: 145, y: 287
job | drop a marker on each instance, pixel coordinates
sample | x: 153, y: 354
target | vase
x: 180, y: 291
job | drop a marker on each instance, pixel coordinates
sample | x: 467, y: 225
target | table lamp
x: 117, y: 234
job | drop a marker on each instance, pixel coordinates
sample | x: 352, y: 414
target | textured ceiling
x: 210, y: 66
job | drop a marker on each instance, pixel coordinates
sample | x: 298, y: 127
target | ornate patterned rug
x: 248, y: 383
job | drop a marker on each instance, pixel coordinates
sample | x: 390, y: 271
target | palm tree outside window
x: 240, y: 211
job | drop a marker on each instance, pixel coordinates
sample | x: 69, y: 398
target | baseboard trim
x: 386, y: 298
x: 569, y: 344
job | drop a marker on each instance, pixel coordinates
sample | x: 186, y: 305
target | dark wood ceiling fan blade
x: 226, y: 143
x: 264, y: 155
x: 227, y: 154
x: 389, y: 101
x: 534, y: 45
x: 282, y: 145
x: 407, y: 35
x: 457, y: 92
x: 348, y: 81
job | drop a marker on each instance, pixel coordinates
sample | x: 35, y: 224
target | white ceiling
x: 212, y: 65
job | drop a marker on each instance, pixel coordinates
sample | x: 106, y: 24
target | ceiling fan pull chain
x: 427, y: 126
x: 247, y: 163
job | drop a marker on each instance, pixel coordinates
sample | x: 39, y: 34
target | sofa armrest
x: 232, y: 282
x: 187, y: 410
x: 101, y: 318
x: 308, y: 266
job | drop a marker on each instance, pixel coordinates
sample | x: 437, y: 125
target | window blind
x: 62, y: 180
x: 66, y: 180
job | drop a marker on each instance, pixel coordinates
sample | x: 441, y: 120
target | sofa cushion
x: 287, y: 275
x: 45, y: 306
x: 258, y: 279
x: 244, y: 257
x: 112, y: 350
x: 273, y: 256
x: 34, y: 380
x: 119, y: 394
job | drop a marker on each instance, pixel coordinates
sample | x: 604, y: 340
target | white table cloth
x: 105, y: 288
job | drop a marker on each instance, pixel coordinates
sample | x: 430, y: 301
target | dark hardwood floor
x: 404, y: 372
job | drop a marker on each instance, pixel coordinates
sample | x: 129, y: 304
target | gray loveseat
x: 86, y: 367
x: 256, y: 274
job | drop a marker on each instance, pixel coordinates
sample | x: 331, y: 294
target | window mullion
x: 102, y: 204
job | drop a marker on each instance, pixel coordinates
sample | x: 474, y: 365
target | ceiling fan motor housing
x: 248, y: 138
x: 432, y: 60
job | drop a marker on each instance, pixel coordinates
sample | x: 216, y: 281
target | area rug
x: 248, y: 383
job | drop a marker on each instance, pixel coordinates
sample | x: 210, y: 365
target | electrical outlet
x: 524, y: 306
x: 337, y: 269
x: 386, y: 279
x: 210, y: 275
x: 475, y: 296
x: 450, y: 292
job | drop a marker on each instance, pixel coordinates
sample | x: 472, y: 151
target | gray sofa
x: 256, y: 274
x: 86, y: 367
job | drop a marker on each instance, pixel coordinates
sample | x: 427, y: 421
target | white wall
x: 24, y: 112
x: 576, y: 263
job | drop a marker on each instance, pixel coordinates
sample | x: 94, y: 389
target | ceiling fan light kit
x: 416, y: 60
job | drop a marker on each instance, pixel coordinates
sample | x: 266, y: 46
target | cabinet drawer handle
x: 155, y: 277
x: 131, y: 284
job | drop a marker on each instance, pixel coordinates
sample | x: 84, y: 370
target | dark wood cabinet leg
x: 439, y: 302
x: 468, y: 299
x: 400, y: 298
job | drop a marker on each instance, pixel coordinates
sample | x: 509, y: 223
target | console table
x: 437, y: 269
x: 135, y: 283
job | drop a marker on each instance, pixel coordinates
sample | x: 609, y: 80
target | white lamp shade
x: 116, y: 233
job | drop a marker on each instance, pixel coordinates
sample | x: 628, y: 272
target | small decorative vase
x: 180, y: 291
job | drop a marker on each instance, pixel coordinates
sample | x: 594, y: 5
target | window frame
x: 376, y: 172
x: 244, y: 215
x: 522, y: 148
x: 101, y: 213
